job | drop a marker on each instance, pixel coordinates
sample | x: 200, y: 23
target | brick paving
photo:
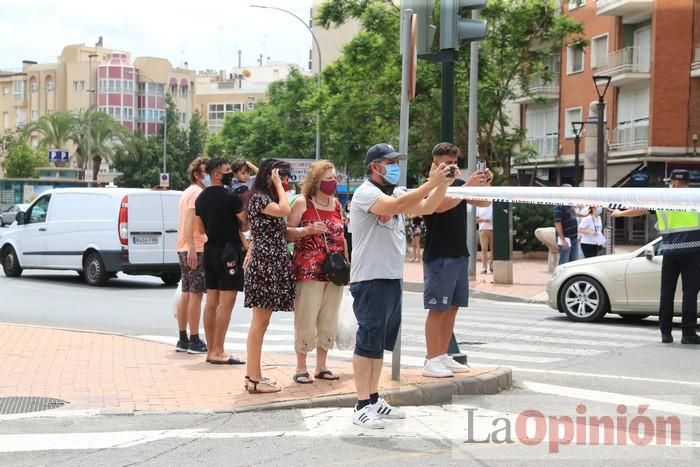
x: 111, y: 372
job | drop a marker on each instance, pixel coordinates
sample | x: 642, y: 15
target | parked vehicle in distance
x: 96, y: 232
x: 627, y: 284
x: 7, y: 217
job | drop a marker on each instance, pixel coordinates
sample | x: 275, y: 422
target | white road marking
x: 604, y: 376
x: 613, y: 398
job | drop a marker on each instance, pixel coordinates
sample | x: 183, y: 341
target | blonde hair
x: 310, y: 184
x: 194, y: 167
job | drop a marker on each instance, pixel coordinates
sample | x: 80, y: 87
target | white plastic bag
x: 176, y: 299
x: 347, y: 324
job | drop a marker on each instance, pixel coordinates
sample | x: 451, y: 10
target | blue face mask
x: 207, y: 180
x: 393, y: 173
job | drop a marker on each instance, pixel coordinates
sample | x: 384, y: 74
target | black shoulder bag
x: 335, y: 266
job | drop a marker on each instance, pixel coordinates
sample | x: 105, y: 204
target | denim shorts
x: 377, y: 307
x: 446, y: 283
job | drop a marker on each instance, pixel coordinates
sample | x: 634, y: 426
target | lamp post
x: 318, y: 77
x: 604, y: 82
x: 165, y: 120
x: 91, y: 90
x: 577, y: 128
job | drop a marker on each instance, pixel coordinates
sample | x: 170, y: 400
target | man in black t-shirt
x: 220, y: 214
x: 446, y: 268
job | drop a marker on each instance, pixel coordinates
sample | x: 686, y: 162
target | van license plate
x: 145, y: 239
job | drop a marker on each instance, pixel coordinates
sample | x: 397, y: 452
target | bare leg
x: 223, y: 317
x: 321, y: 356
x: 256, y: 333
x: 182, y: 309
x: 210, y: 320
x: 362, y: 368
x: 301, y: 363
x: 376, y: 373
x: 447, y: 328
x: 194, y: 310
x: 433, y: 333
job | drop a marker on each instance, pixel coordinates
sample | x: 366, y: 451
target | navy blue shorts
x: 377, y: 307
x: 446, y: 283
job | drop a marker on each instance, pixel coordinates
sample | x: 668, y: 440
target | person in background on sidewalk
x: 446, y: 267
x: 680, y: 247
x: 269, y: 279
x: 376, y: 272
x: 566, y: 228
x: 591, y: 229
x: 220, y: 215
x: 416, y: 237
x: 190, y: 249
x: 317, y: 222
x: 484, y: 217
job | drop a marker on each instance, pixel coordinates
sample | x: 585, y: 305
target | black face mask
x: 227, y: 178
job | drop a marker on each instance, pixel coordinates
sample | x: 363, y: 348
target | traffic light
x: 455, y: 29
x: 425, y: 31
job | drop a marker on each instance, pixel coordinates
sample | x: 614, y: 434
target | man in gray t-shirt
x: 379, y: 247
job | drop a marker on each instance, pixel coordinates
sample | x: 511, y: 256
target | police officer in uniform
x: 680, y: 246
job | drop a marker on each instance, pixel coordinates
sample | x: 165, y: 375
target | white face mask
x: 598, y: 211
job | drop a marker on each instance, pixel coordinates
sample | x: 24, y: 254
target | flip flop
x: 327, y: 375
x: 303, y: 378
x: 230, y: 361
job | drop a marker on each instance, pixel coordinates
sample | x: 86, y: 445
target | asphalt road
x: 556, y: 365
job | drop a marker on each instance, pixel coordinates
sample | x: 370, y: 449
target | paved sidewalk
x: 118, y: 374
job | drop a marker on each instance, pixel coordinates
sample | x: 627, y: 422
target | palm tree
x: 55, y: 129
x: 104, y: 133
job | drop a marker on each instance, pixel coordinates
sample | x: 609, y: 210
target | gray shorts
x: 446, y: 283
x: 192, y: 279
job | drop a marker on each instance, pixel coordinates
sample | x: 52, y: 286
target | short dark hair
x: 215, y: 163
x: 446, y: 149
x: 240, y: 164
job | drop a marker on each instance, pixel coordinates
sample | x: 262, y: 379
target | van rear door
x: 145, y: 228
x: 171, y: 212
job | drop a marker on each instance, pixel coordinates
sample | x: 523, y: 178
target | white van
x: 96, y: 232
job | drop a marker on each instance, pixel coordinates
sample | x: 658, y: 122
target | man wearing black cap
x: 379, y: 246
x: 680, y: 246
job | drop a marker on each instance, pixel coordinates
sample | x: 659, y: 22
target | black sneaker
x: 182, y: 346
x: 666, y: 338
x: 197, y: 347
x: 690, y: 339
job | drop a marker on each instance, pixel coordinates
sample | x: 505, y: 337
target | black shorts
x: 216, y: 276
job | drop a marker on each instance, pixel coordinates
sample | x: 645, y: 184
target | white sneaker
x: 453, y: 365
x: 384, y: 410
x: 366, y: 417
x: 434, y: 368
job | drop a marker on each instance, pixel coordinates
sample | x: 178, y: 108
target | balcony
x: 627, y: 66
x: 539, y: 89
x: 631, y: 11
x: 546, y: 146
x: 630, y: 136
x: 695, y: 66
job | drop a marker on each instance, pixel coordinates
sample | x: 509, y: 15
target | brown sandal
x: 264, y: 386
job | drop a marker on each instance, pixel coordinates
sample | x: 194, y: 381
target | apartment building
x: 238, y: 90
x: 651, y: 51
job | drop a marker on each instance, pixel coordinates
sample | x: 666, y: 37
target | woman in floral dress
x: 269, y: 282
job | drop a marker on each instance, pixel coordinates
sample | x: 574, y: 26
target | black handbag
x: 335, y: 266
x: 229, y: 259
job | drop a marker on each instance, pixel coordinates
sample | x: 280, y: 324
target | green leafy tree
x: 139, y: 161
x: 105, y: 135
x: 20, y: 159
x: 55, y: 130
x: 196, y: 136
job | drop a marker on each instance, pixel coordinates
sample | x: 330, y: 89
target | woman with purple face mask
x: 316, y: 225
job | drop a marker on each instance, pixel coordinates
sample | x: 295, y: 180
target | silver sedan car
x: 626, y: 284
x: 7, y: 217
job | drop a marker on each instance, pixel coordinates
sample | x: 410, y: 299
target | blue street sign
x: 58, y: 155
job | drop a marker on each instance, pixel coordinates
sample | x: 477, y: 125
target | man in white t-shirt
x: 484, y: 217
x: 379, y: 245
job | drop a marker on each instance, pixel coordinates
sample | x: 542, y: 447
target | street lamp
x: 604, y: 82
x: 318, y: 78
x: 91, y: 90
x: 577, y: 128
x: 165, y: 119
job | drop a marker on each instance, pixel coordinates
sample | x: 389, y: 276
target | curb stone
x: 439, y: 392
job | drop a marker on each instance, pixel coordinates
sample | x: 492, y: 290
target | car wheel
x: 170, y: 278
x: 10, y: 263
x: 583, y: 299
x: 94, y: 270
x: 632, y: 317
